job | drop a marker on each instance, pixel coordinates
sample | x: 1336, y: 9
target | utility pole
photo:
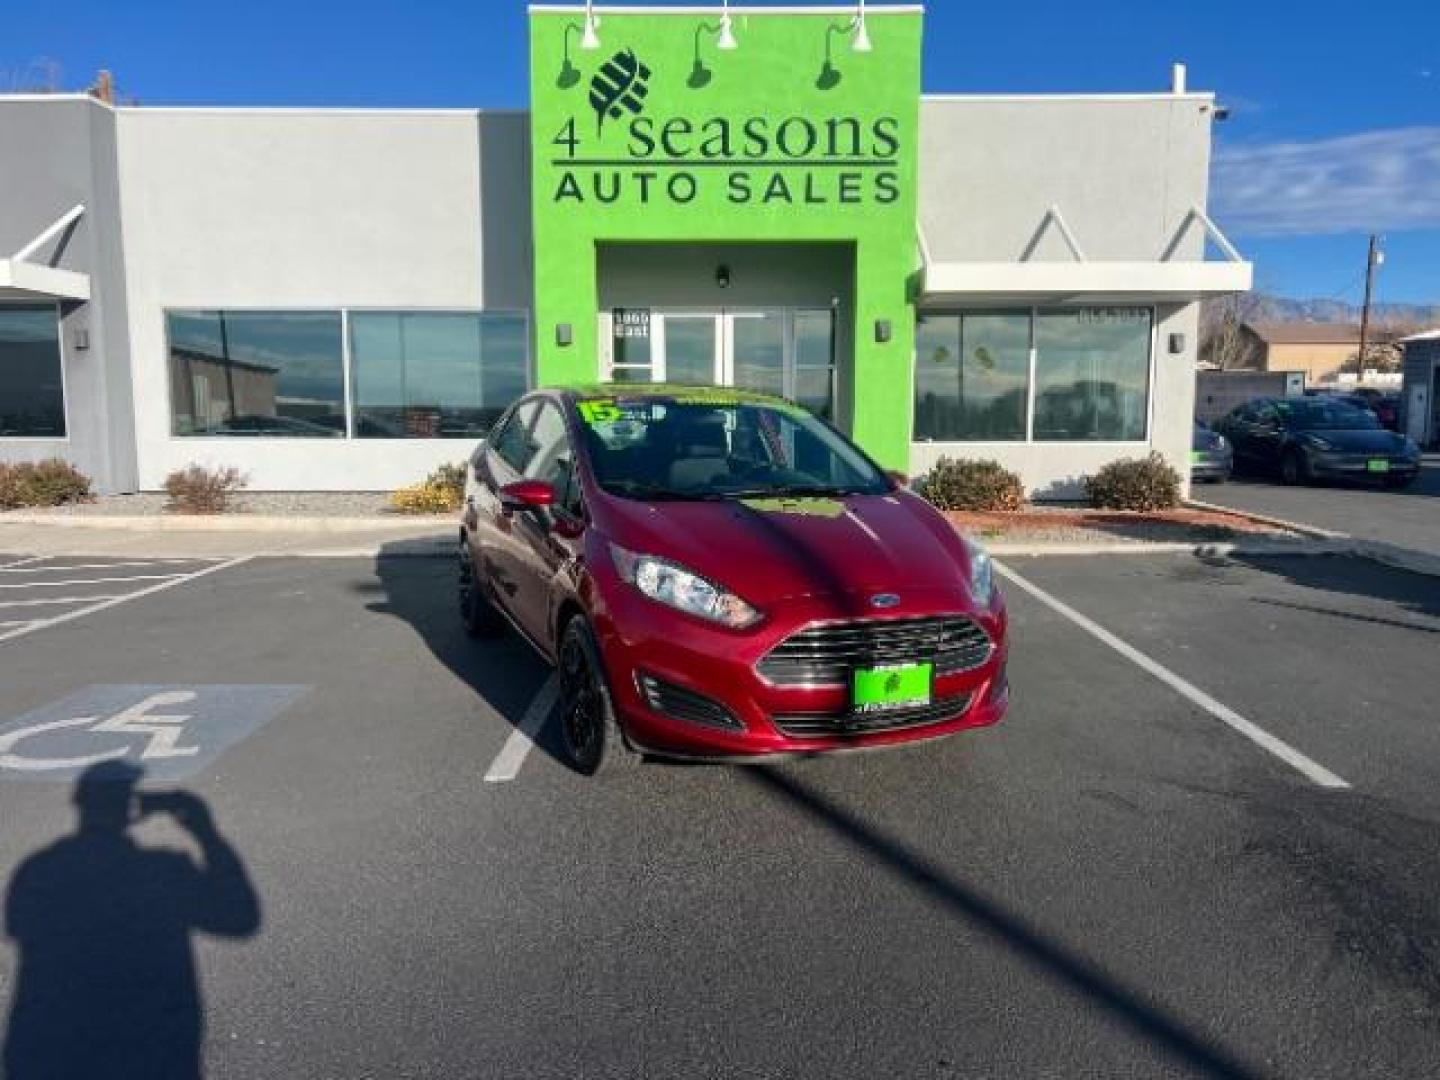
x: 1372, y: 260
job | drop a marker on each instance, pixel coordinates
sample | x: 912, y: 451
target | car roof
x: 716, y: 395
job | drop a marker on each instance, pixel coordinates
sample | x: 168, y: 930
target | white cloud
x: 1374, y: 181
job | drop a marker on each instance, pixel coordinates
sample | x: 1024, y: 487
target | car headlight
x: 982, y: 573
x: 684, y: 590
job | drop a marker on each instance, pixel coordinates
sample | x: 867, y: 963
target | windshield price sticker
x: 600, y: 411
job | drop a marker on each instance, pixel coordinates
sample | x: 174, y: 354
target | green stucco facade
x: 793, y: 137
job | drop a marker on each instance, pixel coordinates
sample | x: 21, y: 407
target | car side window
x: 513, y: 444
x: 554, y: 458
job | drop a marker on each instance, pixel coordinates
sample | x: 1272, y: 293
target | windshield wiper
x: 636, y: 490
x: 792, y: 491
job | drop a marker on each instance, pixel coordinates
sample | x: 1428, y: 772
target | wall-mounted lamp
x: 82, y: 339
x: 590, y: 39
x: 722, y: 276
x: 1177, y: 344
x: 564, y: 333
x: 569, y: 73
x: 884, y: 331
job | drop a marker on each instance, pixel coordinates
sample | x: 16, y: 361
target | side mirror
x: 900, y: 478
x: 527, y: 495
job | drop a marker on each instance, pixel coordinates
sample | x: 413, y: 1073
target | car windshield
x: 1316, y: 414
x: 705, y: 446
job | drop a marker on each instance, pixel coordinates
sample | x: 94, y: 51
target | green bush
x: 1135, y: 484
x: 440, y: 492
x: 971, y: 485
x: 42, y: 483
x: 196, y: 489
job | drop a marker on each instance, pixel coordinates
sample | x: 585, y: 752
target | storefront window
x: 815, y: 362
x: 1092, y: 374
x: 32, y: 399
x: 971, y: 376
x: 426, y: 375
x: 257, y: 373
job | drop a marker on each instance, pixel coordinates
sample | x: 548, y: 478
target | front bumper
x: 1210, y: 465
x: 768, y: 719
x: 1358, y: 466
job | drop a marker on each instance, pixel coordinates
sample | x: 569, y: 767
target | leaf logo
x: 621, y: 84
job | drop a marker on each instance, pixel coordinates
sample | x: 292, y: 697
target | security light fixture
x: 861, y: 41
x: 564, y: 333
x: 722, y: 276
x: 590, y: 39
x: 884, y: 331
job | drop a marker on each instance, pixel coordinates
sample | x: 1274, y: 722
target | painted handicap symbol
x: 162, y: 732
x: 172, y: 730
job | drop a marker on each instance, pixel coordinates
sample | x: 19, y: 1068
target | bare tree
x: 1223, y: 340
x: 42, y: 75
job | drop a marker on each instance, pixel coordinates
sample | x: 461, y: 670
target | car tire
x: 590, y: 734
x: 476, y: 614
x: 1294, y: 469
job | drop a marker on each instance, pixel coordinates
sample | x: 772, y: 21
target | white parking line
x: 24, y: 562
x: 522, y: 740
x: 85, y: 581
x: 10, y: 568
x: 112, y: 601
x: 61, y: 600
x: 1312, y: 770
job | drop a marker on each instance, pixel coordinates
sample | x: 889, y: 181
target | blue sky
x: 1335, y: 125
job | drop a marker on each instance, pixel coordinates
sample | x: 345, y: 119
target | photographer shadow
x: 106, y: 982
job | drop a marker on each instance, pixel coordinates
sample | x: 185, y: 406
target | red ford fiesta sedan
x: 717, y: 573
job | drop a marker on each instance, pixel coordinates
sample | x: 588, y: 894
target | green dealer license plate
x: 1378, y: 465
x: 893, y: 686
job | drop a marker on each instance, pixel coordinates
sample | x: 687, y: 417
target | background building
x: 342, y: 299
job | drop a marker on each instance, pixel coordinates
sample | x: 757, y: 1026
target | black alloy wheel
x: 589, y: 731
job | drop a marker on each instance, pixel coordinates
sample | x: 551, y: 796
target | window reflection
x: 425, y: 375
x: 815, y: 361
x: 1092, y: 374
x: 270, y: 373
x: 32, y: 401
x: 971, y: 376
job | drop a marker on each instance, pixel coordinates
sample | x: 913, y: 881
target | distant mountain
x: 1265, y: 308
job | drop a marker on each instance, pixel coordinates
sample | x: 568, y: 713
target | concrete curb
x: 232, y: 522
x: 1208, y: 549
x: 1266, y: 519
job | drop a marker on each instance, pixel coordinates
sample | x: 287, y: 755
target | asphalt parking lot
x: 1408, y: 518
x: 1202, y: 843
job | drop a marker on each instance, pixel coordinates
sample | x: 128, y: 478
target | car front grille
x: 682, y: 704
x: 825, y: 655
x: 830, y: 725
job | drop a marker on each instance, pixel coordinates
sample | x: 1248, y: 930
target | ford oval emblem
x: 884, y: 600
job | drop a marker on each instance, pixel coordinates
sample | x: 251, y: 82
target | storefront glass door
x: 785, y: 351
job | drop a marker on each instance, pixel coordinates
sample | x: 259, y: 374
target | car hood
x: 773, y: 549
x: 1359, y: 441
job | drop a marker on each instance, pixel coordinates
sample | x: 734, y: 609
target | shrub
x: 42, y: 483
x: 1135, y: 484
x: 972, y: 485
x: 439, y: 493
x: 196, y: 489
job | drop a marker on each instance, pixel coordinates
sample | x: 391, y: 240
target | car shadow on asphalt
x: 503, y: 670
x: 1341, y: 576
x: 1165, y: 1033
x: 106, y: 982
